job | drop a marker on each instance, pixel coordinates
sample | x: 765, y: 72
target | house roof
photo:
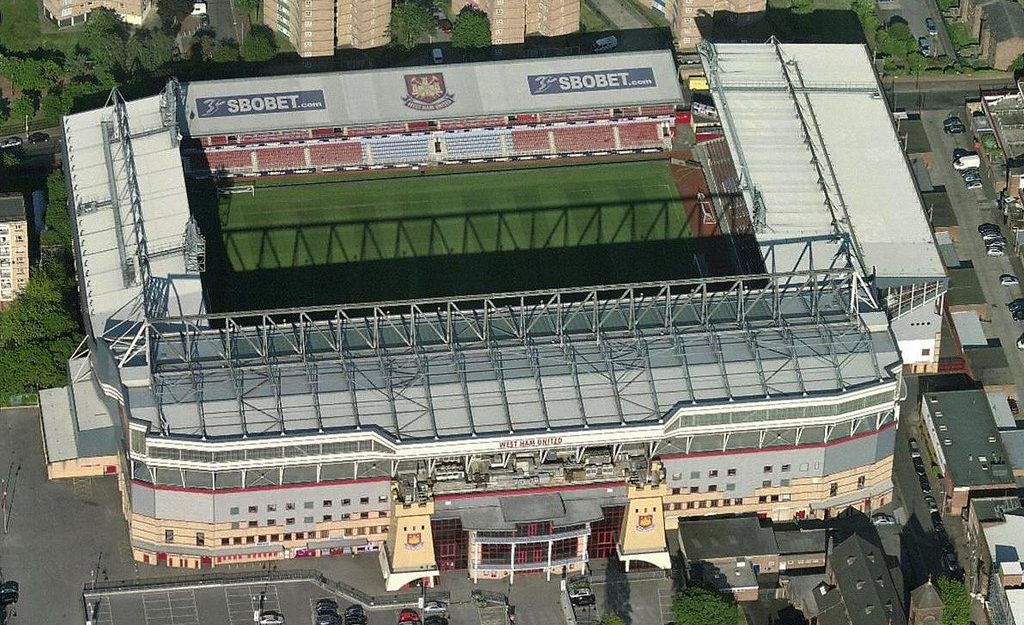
x: 926, y: 596
x: 864, y: 592
x: 12, y: 207
x: 712, y: 539
x: 1004, y: 19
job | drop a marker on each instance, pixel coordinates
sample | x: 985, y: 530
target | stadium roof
x: 130, y: 213
x: 813, y: 140
x: 427, y: 93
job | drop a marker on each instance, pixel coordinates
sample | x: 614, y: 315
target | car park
x: 10, y: 143
x: 929, y: 24
x: 326, y: 606
x: 270, y: 617
x: 1008, y: 279
x: 435, y: 607
x: 924, y: 46
x: 408, y: 615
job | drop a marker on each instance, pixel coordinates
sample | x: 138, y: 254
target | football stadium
x: 505, y: 317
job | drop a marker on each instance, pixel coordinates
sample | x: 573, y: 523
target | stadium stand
x: 640, y: 135
x: 531, y: 141
x: 280, y: 158
x: 414, y: 149
x: 480, y: 122
x: 235, y: 161
x: 335, y: 154
x: 272, y: 137
x: 373, y: 131
x: 474, y: 144
x: 591, y: 137
x: 574, y: 116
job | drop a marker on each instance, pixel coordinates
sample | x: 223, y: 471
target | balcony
x: 543, y: 538
x: 544, y: 475
x: 528, y: 566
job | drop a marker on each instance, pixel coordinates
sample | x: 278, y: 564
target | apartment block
x: 513, y: 20
x: 13, y: 248
x: 317, y: 27
x: 66, y: 13
x: 692, y: 20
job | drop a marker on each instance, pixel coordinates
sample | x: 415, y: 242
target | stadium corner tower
x: 501, y: 433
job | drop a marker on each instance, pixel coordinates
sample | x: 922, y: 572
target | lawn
x: 443, y: 235
x: 23, y: 28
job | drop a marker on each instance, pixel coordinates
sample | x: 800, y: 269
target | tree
x: 612, y: 619
x: 149, y: 50
x: 225, y: 52
x: 171, y: 12
x: 259, y: 46
x: 250, y: 7
x: 55, y: 103
x: 471, y: 29
x: 29, y: 74
x: 957, y: 610
x: 916, y: 62
x: 896, y: 40
x: 24, y: 107
x: 410, y: 22
x: 58, y: 221
x: 1017, y: 66
x: 695, y: 605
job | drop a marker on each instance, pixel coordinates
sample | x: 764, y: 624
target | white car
x: 269, y: 617
x: 973, y: 184
x: 995, y: 251
x: 1008, y: 280
x: 11, y: 142
x: 883, y: 519
x: 435, y: 607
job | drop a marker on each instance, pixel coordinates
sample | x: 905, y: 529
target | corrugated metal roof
x: 464, y: 90
x: 814, y: 138
x: 968, y: 328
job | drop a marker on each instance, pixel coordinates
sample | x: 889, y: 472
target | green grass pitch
x: 459, y: 233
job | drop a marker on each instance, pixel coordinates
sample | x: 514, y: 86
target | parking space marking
x: 665, y: 605
x: 176, y: 607
x: 81, y: 486
x: 101, y: 612
x: 242, y: 601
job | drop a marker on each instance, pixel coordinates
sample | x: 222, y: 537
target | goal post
x: 238, y: 188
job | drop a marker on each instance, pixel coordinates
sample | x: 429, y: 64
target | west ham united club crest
x: 414, y: 541
x: 427, y: 92
x: 645, y: 523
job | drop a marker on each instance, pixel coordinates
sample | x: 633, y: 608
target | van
x: 605, y: 44
x: 437, y: 55
x: 199, y: 8
x: 967, y: 161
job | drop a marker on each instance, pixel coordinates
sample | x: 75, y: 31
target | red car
x: 409, y: 615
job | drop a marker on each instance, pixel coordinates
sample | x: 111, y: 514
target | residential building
x: 66, y: 13
x: 13, y: 247
x: 967, y: 446
x: 860, y: 588
x: 692, y: 21
x: 998, y: 25
x: 317, y: 27
x: 992, y: 524
x: 513, y: 20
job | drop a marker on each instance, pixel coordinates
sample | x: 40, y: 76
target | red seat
x: 640, y: 135
x: 590, y: 138
x: 336, y: 154
x: 278, y: 158
x: 227, y: 160
x: 530, y: 141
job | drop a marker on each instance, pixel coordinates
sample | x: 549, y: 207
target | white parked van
x: 605, y: 44
x: 967, y: 161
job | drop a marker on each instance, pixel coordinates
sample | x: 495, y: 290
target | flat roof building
x: 14, y: 261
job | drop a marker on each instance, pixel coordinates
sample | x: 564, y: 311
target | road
x: 621, y: 16
x: 224, y: 19
x: 931, y: 95
x: 914, y: 13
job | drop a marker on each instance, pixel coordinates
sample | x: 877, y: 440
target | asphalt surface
x: 914, y: 12
x: 622, y: 17
x: 224, y: 19
x: 916, y: 94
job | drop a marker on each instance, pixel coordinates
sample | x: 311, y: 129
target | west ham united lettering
x: 260, y: 103
x: 573, y: 82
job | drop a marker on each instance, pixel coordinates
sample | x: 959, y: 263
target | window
x: 713, y: 488
x: 235, y: 525
x: 262, y: 538
x: 774, y: 498
x: 860, y: 482
x: 364, y: 500
x: 766, y: 484
x: 738, y: 501
x: 731, y: 472
x: 326, y: 503
x: 675, y: 491
x: 253, y: 523
x: 364, y: 515
x: 694, y: 489
x: 767, y: 468
x: 762, y: 499
x: 289, y: 506
x: 271, y: 522
x: 200, y: 539
x: 804, y: 466
x: 689, y: 505
x: 382, y: 514
x: 784, y: 482
x: 308, y: 505
x: 274, y: 537
x: 307, y: 520
x: 237, y: 540
x: 785, y: 468
x: 288, y: 536
x: 250, y: 540
x: 730, y: 486
x: 833, y: 489
x: 382, y: 499
x: 225, y: 541
x: 926, y: 352
x: 234, y: 510
x: 271, y: 507
x: 289, y: 521
x: 328, y: 517
x: 168, y: 536
x: 713, y: 473
x: 713, y: 503
x: 346, y: 502
x: 253, y: 509
x: 694, y: 475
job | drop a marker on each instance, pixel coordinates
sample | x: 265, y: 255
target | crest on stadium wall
x: 645, y: 523
x: 427, y: 92
x: 414, y: 541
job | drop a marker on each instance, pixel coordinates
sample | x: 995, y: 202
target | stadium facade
x: 501, y: 434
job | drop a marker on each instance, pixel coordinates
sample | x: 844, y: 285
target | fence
x: 406, y: 599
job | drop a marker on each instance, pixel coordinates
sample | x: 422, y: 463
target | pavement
x: 225, y: 20
x: 621, y: 16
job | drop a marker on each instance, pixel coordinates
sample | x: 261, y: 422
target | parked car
x: 584, y: 601
x: 1017, y: 304
x: 926, y: 486
x: 11, y: 142
x: 435, y: 620
x: 951, y: 563
x: 270, y: 617
x: 924, y: 46
x: 970, y: 174
x: 38, y: 137
x: 986, y: 227
x: 995, y: 251
x: 435, y: 607
x: 968, y: 160
x: 408, y: 615
x: 930, y: 502
x: 915, y: 449
x: 329, y: 619
x: 881, y: 518
x: 1020, y: 342
x: 919, y: 466
x: 1018, y: 315
x: 8, y: 593
x: 973, y: 185
x: 1008, y: 279
x: 326, y: 606
x: 929, y: 23
x: 445, y: 25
